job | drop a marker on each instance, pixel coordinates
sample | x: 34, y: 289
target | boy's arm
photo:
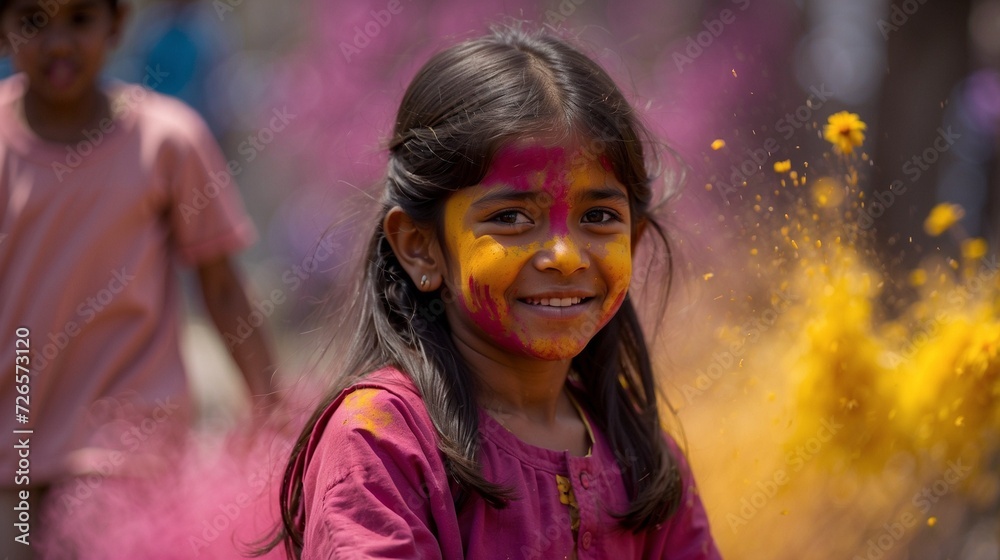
x: 227, y: 303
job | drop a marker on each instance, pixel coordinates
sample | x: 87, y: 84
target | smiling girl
x: 497, y: 399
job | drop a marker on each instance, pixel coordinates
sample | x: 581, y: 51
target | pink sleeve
x: 378, y: 487
x: 207, y: 217
x: 687, y: 533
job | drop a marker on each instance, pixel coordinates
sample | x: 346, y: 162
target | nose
x: 564, y: 254
x: 56, y: 39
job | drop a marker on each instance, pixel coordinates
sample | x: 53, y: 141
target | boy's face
x: 540, y: 252
x: 60, y: 46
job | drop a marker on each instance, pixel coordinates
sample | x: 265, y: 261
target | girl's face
x: 539, y: 252
x: 60, y: 46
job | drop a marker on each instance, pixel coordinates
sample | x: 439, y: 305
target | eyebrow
x: 506, y: 194
x: 607, y: 193
x: 509, y: 194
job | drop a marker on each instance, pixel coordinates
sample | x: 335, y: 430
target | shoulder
x: 375, y: 484
x: 11, y: 88
x: 381, y: 415
x: 159, y: 116
x: 383, y: 405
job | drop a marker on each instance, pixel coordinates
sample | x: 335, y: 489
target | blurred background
x: 831, y: 356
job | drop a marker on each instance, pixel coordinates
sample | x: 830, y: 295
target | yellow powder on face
x: 489, y: 269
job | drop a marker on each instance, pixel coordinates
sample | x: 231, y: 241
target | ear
x: 416, y: 248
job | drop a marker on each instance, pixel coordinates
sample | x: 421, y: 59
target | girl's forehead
x: 515, y: 163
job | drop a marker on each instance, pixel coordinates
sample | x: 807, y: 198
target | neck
x: 64, y: 122
x: 518, y: 386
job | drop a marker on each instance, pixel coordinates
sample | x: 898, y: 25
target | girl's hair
x: 465, y: 104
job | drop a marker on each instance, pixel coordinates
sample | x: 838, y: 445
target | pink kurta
x: 375, y: 486
x: 89, y: 237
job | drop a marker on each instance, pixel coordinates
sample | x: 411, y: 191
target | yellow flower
x: 942, y: 217
x: 783, y: 166
x: 974, y: 249
x: 845, y: 131
x: 718, y: 144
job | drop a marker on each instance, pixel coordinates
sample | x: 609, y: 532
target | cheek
x: 485, y: 268
x: 488, y: 269
x: 616, y: 267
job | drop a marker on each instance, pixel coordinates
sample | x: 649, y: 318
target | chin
x: 553, y: 350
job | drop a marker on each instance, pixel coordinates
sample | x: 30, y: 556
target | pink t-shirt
x: 375, y: 486
x: 89, y: 237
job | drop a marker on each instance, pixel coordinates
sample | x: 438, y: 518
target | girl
x: 497, y: 398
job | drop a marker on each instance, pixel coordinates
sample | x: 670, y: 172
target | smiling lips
x: 555, y: 301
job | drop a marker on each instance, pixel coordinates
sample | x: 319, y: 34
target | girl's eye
x: 601, y: 216
x: 510, y: 217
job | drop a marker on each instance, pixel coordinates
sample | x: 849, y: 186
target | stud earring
x: 423, y: 281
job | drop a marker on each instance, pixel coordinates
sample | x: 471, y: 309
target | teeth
x: 554, y: 302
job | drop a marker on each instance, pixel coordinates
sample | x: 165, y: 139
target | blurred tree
x: 928, y: 55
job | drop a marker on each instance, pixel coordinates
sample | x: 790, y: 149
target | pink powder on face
x: 488, y: 316
x: 516, y: 165
x: 606, y: 164
x: 524, y: 167
x: 617, y: 305
x: 559, y: 212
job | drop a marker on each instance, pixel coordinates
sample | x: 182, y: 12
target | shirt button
x: 585, y: 479
x: 586, y: 540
